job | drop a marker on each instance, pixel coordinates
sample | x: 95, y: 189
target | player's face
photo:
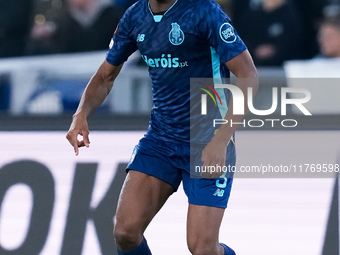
x: 329, y: 40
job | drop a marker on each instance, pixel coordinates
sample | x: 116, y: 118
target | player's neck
x: 158, y: 6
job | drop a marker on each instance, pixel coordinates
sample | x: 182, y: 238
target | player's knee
x: 125, y: 237
x: 202, y: 247
x: 202, y: 250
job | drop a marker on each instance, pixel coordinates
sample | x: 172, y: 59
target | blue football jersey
x: 192, y: 39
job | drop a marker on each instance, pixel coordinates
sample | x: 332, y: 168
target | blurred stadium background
x: 52, y: 202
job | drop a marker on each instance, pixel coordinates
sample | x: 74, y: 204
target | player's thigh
x: 203, y: 225
x: 141, y: 198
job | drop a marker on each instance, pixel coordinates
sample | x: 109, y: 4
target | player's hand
x: 78, y: 127
x: 214, y: 158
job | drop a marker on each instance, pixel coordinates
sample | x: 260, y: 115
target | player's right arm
x: 122, y: 45
x: 95, y: 93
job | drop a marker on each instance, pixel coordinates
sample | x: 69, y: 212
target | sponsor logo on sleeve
x: 111, y: 44
x: 227, y: 33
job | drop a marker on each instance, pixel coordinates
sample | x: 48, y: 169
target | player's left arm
x: 242, y: 66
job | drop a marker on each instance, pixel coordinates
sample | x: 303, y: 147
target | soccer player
x: 178, y: 40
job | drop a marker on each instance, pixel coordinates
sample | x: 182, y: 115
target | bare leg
x: 203, y: 227
x: 142, y: 196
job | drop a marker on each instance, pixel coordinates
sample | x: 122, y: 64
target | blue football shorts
x: 170, y: 162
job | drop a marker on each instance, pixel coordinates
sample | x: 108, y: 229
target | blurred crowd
x: 273, y: 30
x: 280, y: 30
x: 35, y: 27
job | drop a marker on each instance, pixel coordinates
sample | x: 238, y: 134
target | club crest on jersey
x: 176, y: 35
x: 227, y: 33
